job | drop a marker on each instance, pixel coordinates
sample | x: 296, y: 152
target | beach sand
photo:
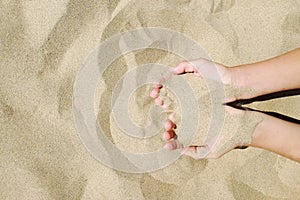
x: 44, y: 44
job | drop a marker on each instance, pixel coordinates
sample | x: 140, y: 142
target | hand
x: 220, y: 76
x: 237, y: 131
x: 218, y: 144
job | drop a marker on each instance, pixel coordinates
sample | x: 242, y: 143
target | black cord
x: 266, y: 97
x: 238, y: 104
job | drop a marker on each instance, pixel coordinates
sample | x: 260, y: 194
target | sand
x: 43, y: 46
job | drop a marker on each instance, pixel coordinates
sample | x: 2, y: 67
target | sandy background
x: 43, y: 45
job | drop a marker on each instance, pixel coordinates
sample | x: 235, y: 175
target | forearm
x: 276, y: 74
x: 278, y: 136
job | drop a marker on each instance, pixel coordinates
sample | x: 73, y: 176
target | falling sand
x: 43, y: 46
x: 235, y: 127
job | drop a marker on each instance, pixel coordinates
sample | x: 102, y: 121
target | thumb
x: 184, y: 67
x: 196, y: 152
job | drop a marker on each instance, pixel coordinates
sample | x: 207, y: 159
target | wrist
x: 243, y: 77
x: 260, y: 134
x: 238, y: 76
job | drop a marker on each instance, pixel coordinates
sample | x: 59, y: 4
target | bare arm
x: 278, y: 136
x: 276, y: 74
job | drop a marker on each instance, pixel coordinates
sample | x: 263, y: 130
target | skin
x: 271, y: 133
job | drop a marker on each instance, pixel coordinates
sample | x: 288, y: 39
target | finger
x: 184, y: 67
x: 166, y: 107
x: 196, y: 152
x: 169, y: 125
x: 159, y: 102
x: 169, y: 135
x: 208, y: 69
x: 171, y: 117
x: 172, y: 145
x: 190, y: 151
x: 154, y: 93
x: 157, y: 86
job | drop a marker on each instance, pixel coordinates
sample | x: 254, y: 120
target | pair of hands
x: 239, y: 125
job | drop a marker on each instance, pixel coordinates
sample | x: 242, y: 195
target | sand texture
x: 43, y: 44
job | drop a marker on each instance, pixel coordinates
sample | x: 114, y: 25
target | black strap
x: 238, y: 104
